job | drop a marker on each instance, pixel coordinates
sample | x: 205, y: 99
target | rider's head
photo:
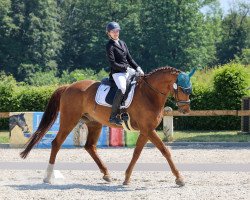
x: 112, y: 30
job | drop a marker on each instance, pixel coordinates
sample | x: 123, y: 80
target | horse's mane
x: 166, y: 68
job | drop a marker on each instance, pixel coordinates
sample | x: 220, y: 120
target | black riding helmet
x: 111, y: 26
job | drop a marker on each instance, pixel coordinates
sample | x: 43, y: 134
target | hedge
x: 16, y: 98
x: 228, y: 86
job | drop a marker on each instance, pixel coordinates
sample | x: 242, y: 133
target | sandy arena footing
x: 209, y: 174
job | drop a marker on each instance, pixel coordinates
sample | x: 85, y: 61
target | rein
x: 178, y: 103
x: 150, y: 86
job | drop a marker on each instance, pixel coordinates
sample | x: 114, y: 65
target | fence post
x: 245, y: 120
x: 168, y: 128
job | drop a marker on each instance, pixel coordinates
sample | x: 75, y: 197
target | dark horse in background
x: 18, y: 120
x: 77, y: 101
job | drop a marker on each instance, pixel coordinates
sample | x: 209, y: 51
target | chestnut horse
x: 77, y: 101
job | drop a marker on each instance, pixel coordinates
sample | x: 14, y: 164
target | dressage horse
x: 77, y: 101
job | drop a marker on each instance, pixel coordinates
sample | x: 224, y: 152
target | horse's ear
x: 192, y: 72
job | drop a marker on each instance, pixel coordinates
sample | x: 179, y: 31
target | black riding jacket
x: 119, y: 57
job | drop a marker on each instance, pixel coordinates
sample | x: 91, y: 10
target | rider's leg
x: 120, y: 80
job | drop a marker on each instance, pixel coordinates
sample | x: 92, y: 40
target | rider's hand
x: 131, y: 71
x: 139, y: 70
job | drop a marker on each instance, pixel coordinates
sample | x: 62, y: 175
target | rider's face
x: 114, y: 34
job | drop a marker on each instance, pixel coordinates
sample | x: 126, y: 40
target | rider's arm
x: 116, y: 66
x: 130, y: 60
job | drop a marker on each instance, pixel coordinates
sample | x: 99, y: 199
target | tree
x: 84, y: 25
x: 34, y: 35
x: 175, y: 33
x: 235, y: 34
x: 43, y: 35
x: 9, y: 45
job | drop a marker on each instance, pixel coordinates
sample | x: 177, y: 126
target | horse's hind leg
x: 155, y: 139
x: 67, y: 123
x: 94, y: 131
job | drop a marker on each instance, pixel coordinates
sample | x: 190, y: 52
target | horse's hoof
x: 180, y: 182
x: 46, y: 180
x: 126, y: 182
x: 107, y: 178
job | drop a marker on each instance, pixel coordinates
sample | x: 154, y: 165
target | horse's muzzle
x: 184, y: 109
x: 25, y: 129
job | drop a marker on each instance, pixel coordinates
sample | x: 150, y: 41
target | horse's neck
x: 12, y: 126
x: 159, y: 87
x: 162, y: 82
x: 14, y: 122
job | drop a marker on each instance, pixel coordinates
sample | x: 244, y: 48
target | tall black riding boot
x: 116, y: 104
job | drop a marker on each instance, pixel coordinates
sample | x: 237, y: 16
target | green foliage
x: 235, y: 33
x: 30, y: 34
x: 230, y: 81
x: 47, y: 35
x: 224, y: 92
x: 8, y: 86
x: 84, y: 74
x: 245, y: 57
x: 16, y: 97
x: 34, y: 98
x: 210, y: 136
x: 8, y: 100
x: 182, y: 37
x: 43, y: 78
x: 19, y: 98
x: 25, y: 71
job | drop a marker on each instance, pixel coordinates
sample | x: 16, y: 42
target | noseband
x: 181, y: 102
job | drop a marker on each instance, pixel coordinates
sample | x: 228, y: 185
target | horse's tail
x: 47, y: 121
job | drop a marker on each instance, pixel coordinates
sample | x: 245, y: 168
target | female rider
x: 121, y: 64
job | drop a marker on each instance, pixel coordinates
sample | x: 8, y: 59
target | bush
x: 8, y: 86
x: 16, y: 98
x: 82, y: 74
x: 42, y: 78
x: 230, y: 84
x: 34, y: 98
x: 225, y: 92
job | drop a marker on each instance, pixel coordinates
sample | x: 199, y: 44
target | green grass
x: 4, y: 137
x: 206, y: 136
x: 184, y: 136
x: 210, y: 136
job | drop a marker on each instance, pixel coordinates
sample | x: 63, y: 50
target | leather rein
x: 178, y: 103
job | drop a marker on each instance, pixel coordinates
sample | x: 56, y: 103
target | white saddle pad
x: 102, y: 92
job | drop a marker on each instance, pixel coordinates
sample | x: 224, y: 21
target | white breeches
x: 121, y: 81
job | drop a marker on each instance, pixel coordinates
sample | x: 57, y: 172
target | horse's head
x: 182, y: 89
x: 22, y: 123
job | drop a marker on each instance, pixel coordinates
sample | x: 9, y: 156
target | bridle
x: 181, y: 102
x: 150, y: 86
x: 176, y: 87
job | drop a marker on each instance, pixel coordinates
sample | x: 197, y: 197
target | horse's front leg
x: 142, y: 140
x: 155, y: 139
